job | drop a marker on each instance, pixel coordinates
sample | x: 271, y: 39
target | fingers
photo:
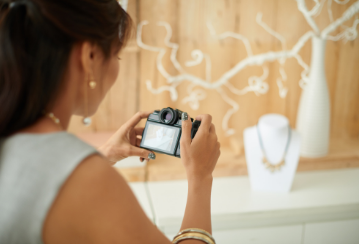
x: 144, y: 159
x: 219, y: 149
x: 206, y: 121
x: 137, y: 118
x: 212, y: 129
x: 139, y: 131
x: 186, y: 132
x: 140, y: 152
x: 138, y: 142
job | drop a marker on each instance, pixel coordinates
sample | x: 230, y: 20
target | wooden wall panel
x: 188, y: 20
x: 346, y: 93
x: 153, y: 12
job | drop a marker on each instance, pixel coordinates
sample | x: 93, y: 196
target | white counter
x: 319, y: 200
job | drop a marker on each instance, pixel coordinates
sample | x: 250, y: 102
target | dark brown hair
x: 36, y: 38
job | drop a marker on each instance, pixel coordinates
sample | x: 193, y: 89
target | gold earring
x: 86, y: 120
x: 92, y: 84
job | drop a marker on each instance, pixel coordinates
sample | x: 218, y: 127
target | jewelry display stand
x: 275, y: 135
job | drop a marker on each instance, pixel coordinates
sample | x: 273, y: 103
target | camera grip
x: 195, y: 126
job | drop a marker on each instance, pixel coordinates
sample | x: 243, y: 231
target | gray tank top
x: 33, y: 167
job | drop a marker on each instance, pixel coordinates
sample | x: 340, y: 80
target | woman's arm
x: 199, y: 158
x: 198, y: 209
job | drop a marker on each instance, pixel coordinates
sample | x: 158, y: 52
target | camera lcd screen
x: 160, y: 137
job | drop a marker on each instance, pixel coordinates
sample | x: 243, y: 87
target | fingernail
x: 184, y: 116
x: 151, y: 156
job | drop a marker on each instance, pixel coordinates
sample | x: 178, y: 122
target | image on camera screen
x: 159, y: 137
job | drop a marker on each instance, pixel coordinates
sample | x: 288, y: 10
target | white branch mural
x: 257, y: 84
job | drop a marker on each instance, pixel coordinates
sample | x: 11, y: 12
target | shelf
x: 343, y: 153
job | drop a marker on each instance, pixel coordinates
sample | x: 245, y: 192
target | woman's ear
x: 87, y: 57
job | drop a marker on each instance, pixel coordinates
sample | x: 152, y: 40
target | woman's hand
x: 126, y: 141
x: 199, y: 155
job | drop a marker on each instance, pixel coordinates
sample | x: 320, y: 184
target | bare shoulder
x: 96, y: 205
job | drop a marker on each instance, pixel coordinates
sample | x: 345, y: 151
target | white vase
x: 313, y: 119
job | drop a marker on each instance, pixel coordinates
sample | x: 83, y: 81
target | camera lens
x: 168, y: 116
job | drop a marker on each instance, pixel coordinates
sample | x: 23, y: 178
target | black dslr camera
x: 162, y: 132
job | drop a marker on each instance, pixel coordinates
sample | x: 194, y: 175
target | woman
x: 59, y: 58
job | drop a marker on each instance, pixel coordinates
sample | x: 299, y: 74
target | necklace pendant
x: 272, y: 167
x: 268, y: 165
x: 264, y: 160
x: 55, y: 119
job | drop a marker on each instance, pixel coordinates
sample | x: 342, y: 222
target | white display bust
x: 274, y: 132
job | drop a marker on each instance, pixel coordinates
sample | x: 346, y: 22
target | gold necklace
x: 268, y: 165
x: 55, y: 119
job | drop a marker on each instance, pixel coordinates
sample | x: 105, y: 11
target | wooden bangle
x: 195, y: 236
